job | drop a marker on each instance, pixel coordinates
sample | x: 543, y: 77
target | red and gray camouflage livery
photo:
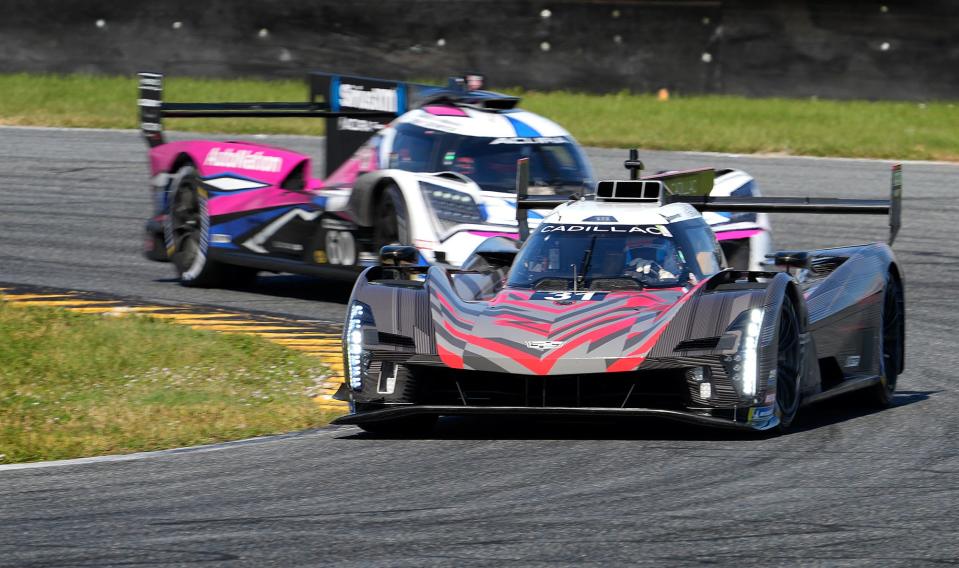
x: 610, y: 310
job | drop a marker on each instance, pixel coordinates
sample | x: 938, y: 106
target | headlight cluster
x: 358, y: 360
x: 451, y: 207
x: 743, y: 367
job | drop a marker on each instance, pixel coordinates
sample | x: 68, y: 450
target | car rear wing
x: 354, y: 108
x: 153, y: 109
x: 693, y: 187
x: 829, y: 205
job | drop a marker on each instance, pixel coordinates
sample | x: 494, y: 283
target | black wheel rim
x: 788, y: 363
x: 185, y: 223
x: 892, y: 330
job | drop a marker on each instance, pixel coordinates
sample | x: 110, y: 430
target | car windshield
x: 616, y: 257
x: 556, y: 163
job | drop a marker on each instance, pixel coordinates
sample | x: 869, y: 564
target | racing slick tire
x: 892, y: 346
x: 789, y: 367
x: 186, y: 232
x: 391, y: 219
x: 403, y: 427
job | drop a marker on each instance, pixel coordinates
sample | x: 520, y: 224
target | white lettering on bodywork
x: 355, y: 96
x: 243, y: 160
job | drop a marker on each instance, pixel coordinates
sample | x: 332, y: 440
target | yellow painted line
x: 272, y: 336
x: 64, y: 303
x: 190, y: 315
x: 104, y: 310
x: 307, y: 342
x: 212, y: 322
x: 22, y: 297
x: 243, y: 328
x: 150, y: 310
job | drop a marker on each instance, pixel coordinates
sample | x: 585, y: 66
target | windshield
x: 616, y: 257
x: 556, y: 163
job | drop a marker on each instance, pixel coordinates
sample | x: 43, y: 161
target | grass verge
x: 895, y: 130
x: 76, y: 385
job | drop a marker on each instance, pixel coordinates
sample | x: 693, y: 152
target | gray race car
x: 621, y: 304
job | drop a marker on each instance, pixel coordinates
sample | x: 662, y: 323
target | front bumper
x: 397, y: 412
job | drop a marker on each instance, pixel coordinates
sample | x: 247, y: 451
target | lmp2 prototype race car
x: 405, y: 163
x: 622, y: 306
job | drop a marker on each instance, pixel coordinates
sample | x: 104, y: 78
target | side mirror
x: 790, y: 258
x: 399, y: 254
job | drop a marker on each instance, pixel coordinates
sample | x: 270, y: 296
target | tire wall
x: 793, y: 48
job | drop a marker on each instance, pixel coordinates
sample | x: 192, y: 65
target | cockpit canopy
x: 616, y: 256
x: 556, y: 162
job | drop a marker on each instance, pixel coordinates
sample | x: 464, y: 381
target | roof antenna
x: 634, y: 165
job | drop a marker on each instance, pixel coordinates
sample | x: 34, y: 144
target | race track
x: 847, y: 488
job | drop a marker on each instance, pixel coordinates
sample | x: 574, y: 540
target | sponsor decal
x: 357, y: 125
x: 530, y: 140
x: 563, y: 296
x: 282, y: 245
x: 761, y: 412
x: 659, y: 230
x: 544, y: 345
x: 243, y: 160
x: 356, y: 96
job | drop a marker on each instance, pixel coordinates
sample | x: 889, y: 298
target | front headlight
x: 743, y: 367
x: 451, y: 207
x: 357, y: 359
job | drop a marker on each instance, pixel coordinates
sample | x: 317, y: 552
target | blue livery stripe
x: 522, y: 129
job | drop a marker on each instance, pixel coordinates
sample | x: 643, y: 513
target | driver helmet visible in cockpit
x: 652, y: 258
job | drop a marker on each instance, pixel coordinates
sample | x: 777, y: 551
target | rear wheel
x: 411, y: 426
x: 391, y: 219
x: 892, y: 345
x: 788, y: 364
x: 186, y: 233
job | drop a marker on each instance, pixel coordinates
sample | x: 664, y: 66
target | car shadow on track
x: 847, y: 407
x: 827, y: 413
x: 291, y: 286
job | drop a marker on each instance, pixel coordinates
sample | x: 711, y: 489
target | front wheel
x: 788, y: 364
x: 392, y: 226
x: 892, y: 345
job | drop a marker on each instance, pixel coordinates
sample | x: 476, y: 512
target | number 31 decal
x: 560, y: 296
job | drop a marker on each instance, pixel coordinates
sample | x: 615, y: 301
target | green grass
x: 76, y: 385
x: 896, y: 130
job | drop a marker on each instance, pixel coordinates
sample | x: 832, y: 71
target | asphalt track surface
x: 847, y: 487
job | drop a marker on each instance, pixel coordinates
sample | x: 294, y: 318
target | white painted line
x: 318, y: 432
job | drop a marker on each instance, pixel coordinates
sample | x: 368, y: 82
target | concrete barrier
x: 843, y: 49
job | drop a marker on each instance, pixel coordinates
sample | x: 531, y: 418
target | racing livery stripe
x: 522, y: 129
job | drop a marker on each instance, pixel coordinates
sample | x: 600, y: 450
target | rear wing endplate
x: 826, y: 205
x: 525, y: 202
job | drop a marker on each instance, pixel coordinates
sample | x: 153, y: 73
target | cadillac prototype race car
x: 622, y: 305
x: 410, y: 164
